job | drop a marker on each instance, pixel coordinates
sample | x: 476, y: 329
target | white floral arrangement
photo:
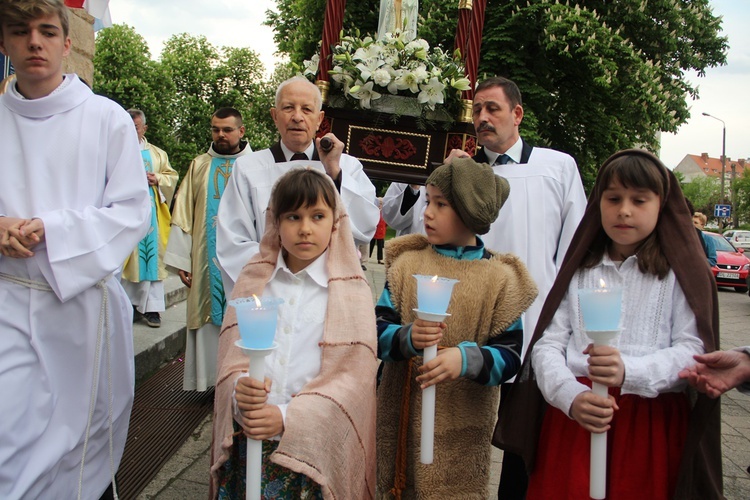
x: 366, y: 70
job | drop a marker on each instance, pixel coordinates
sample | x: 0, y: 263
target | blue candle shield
x: 434, y: 293
x: 600, y: 308
x: 257, y: 324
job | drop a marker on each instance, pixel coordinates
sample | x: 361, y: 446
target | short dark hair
x: 226, y: 112
x: 301, y: 187
x: 509, y: 87
x: 23, y: 11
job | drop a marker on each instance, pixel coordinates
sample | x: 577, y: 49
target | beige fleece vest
x: 491, y: 295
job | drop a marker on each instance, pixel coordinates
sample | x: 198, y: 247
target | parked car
x: 738, y: 238
x: 732, y: 267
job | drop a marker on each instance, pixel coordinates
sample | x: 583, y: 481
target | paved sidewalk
x: 185, y: 476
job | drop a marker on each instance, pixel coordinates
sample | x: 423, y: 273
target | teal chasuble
x: 148, y: 248
x: 218, y: 175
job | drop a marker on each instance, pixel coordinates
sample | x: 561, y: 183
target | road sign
x: 723, y: 211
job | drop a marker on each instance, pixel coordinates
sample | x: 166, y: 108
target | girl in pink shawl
x: 316, y: 411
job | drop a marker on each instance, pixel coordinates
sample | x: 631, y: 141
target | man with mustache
x: 144, y: 272
x: 297, y: 115
x: 537, y: 222
x: 192, y: 245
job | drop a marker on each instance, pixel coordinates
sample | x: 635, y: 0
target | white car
x: 738, y: 238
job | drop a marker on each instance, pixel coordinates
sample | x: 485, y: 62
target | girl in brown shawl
x: 637, y: 234
x: 316, y: 414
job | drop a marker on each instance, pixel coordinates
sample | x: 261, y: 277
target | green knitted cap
x: 474, y: 191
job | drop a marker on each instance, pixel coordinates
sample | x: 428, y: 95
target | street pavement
x: 185, y: 475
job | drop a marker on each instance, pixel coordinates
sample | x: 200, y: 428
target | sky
x: 723, y: 91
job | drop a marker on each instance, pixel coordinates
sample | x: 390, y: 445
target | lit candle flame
x: 257, y: 301
x: 602, y: 284
x: 434, y: 278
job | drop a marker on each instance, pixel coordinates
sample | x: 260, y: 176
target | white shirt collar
x: 515, y: 152
x: 317, y: 270
x: 288, y: 152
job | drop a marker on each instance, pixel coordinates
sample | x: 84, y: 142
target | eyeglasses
x: 226, y: 130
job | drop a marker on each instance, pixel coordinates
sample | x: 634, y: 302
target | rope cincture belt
x: 103, y: 329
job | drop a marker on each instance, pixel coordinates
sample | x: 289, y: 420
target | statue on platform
x: 398, y: 15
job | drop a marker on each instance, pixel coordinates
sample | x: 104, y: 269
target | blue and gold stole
x: 148, y: 248
x: 218, y: 176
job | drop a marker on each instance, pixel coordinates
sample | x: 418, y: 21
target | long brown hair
x: 640, y: 172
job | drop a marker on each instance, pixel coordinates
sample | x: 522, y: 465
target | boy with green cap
x: 480, y: 343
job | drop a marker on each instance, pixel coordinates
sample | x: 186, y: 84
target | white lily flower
x: 432, y: 93
x: 408, y: 80
x: 421, y: 73
x: 368, y: 67
x: 311, y: 65
x: 461, y: 84
x: 364, y: 93
x: 371, y: 52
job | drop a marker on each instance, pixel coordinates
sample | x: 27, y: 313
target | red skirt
x: 644, y: 447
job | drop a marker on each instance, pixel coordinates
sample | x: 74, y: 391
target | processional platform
x: 396, y: 147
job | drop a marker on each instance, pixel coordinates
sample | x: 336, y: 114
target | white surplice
x: 70, y: 159
x: 243, y: 206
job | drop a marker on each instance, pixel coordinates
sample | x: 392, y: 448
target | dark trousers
x: 381, y: 243
x: 513, y: 478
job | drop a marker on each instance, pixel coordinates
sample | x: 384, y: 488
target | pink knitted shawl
x: 329, y: 433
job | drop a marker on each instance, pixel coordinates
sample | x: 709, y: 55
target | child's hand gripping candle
x: 600, y: 308
x: 433, y: 297
x: 256, y: 320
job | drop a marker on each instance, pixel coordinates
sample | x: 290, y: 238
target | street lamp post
x: 723, y: 154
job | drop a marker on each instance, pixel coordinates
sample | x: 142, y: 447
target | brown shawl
x: 520, y: 416
x: 329, y: 432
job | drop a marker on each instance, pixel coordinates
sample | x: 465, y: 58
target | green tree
x: 703, y: 192
x: 241, y: 85
x: 124, y: 72
x: 597, y: 76
x: 742, y: 198
x: 191, y: 61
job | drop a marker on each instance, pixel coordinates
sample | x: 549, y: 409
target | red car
x: 732, y: 266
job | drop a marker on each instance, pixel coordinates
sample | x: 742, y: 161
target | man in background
x: 192, y: 245
x: 144, y: 271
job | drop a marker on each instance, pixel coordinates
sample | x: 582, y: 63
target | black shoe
x: 136, y: 315
x: 153, y: 319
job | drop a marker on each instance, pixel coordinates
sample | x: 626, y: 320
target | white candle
x: 598, y: 470
x: 428, y: 413
x: 254, y: 463
x: 601, y: 308
x: 433, y: 296
x: 256, y: 319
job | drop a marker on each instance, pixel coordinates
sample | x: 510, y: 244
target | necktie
x: 502, y: 159
x: 299, y: 156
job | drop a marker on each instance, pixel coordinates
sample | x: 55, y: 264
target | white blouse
x: 658, y: 335
x: 299, y: 331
